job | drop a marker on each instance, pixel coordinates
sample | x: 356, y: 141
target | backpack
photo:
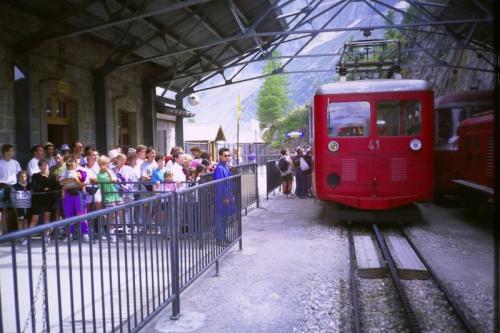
x: 283, y: 164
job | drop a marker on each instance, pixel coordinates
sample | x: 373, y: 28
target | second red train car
x: 373, y: 143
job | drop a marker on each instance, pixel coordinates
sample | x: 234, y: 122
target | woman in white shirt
x: 8, y: 171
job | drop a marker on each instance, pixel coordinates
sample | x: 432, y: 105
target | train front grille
x: 399, y: 169
x: 349, y: 169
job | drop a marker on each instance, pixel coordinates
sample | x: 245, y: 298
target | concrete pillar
x: 22, y: 111
x: 101, y: 138
x: 148, y: 116
x: 179, y: 122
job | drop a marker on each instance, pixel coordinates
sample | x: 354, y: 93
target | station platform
x: 293, y: 259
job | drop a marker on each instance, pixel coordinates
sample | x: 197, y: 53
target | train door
x: 349, y: 136
x: 396, y: 168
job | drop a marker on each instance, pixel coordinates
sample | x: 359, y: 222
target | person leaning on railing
x: 23, y: 186
x: 9, y: 168
x: 72, y: 181
x: 55, y: 173
x: 224, y: 197
x: 43, y: 188
x: 110, y: 195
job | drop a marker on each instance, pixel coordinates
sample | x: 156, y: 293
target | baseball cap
x: 64, y: 147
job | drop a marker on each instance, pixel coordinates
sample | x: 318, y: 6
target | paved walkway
x: 292, y: 259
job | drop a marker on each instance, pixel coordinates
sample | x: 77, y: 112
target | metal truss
x: 332, y: 70
x: 113, y: 22
x: 301, y: 32
x: 256, y: 56
x: 430, y: 21
x: 199, y: 66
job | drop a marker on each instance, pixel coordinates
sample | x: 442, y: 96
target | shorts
x: 288, y: 177
x: 5, y: 197
x: 97, y: 197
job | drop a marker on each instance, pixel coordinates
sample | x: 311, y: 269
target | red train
x: 373, y: 143
x: 451, y: 109
x: 475, y: 158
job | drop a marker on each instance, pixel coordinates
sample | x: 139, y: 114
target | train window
x: 398, y: 117
x: 447, y: 121
x: 348, y: 119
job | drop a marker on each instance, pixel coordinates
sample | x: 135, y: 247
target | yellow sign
x: 238, y: 108
x: 63, y: 87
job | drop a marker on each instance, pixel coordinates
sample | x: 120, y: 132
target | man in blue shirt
x: 251, y: 157
x: 224, y: 197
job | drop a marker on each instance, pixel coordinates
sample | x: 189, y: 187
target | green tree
x: 393, y: 33
x: 297, y: 119
x: 272, y: 99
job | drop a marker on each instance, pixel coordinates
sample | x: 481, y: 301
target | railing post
x: 240, y: 231
x: 257, y: 184
x: 174, y: 257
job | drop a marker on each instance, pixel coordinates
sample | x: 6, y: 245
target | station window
x: 399, y: 117
x: 57, y: 110
x: 348, y: 119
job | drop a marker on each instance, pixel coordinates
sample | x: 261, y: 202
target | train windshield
x: 447, y: 120
x: 399, y: 117
x: 348, y: 119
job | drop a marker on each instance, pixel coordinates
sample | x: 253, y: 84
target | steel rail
x: 391, y: 266
x: 354, y: 285
x: 460, y: 314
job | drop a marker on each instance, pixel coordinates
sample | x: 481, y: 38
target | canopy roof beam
x: 273, y: 44
x: 300, y: 32
x: 114, y: 22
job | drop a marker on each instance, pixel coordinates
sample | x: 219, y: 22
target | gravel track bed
x: 380, y: 308
x: 431, y: 308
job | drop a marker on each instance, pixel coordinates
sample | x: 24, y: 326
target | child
x: 72, y: 182
x: 169, y: 185
x: 23, y: 214
x: 110, y: 195
x: 157, y: 176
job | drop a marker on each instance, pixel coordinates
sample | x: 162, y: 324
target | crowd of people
x: 296, y: 165
x: 74, y: 180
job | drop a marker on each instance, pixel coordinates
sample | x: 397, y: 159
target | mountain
x: 219, y: 105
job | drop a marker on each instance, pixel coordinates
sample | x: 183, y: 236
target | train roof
x: 466, y: 97
x: 369, y: 86
x: 478, y: 119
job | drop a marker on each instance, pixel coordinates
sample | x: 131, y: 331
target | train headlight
x: 415, y: 144
x: 333, y: 146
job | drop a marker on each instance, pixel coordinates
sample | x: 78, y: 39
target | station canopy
x: 192, y: 40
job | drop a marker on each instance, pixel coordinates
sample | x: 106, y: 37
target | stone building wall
x: 71, y: 61
x: 7, y: 119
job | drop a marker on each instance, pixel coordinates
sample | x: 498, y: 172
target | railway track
x: 412, y: 319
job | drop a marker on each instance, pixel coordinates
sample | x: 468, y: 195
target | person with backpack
x: 285, y: 166
x: 301, y: 168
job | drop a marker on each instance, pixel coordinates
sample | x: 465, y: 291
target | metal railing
x: 114, y: 269
x: 273, y: 176
x: 249, y: 183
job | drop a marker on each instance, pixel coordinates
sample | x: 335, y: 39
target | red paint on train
x: 373, y: 143
x: 476, y: 154
x: 451, y: 109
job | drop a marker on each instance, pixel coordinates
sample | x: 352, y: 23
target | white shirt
x: 129, y: 174
x: 8, y: 171
x: 52, y: 162
x: 91, y: 172
x: 178, y: 175
x: 33, y: 166
x: 70, y: 174
x: 147, y: 168
x: 168, y: 166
